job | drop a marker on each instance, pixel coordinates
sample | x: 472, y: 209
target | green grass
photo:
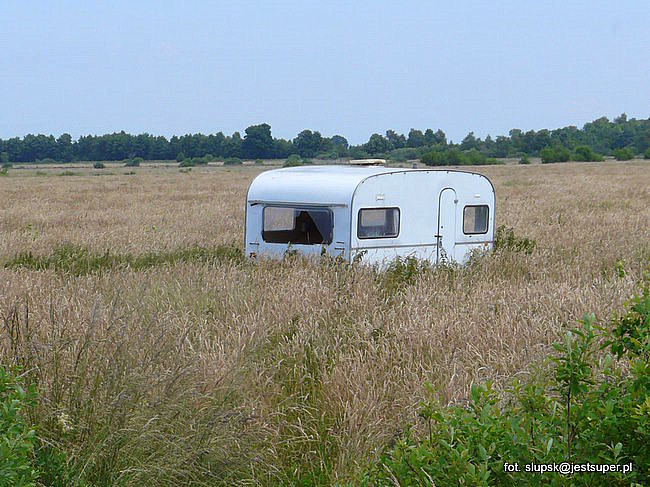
x: 80, y: 261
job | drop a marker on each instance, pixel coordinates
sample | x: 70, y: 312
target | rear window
x: 378, y: 223
x: 475, y: 219
x: 304, y: 226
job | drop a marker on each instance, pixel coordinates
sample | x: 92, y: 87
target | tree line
x: 601, y: 136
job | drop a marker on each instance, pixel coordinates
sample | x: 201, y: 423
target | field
x: 162, y: 357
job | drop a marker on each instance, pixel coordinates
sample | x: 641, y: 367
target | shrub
x: 186, y: 163
x: 401, y: 273
x: 555, y: 154
x: 589, y: 409
x: 453, y: 157
x: 646, y: 154
x: 524, y: 159
x: 4, y: 171
x: 327, y: 155
x: 624, y: 154
x: 259, y: 162
x: 232, y: 161
x: 293, y: 160
x: 505, y: 239
x: 99, y: 165
x: 17, y: 437
x: 135, y: 162
x: 584, y: 153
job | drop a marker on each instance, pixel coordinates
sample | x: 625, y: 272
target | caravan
x: 370, y: 213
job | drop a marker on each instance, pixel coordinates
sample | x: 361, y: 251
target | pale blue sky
x: 352, y: 68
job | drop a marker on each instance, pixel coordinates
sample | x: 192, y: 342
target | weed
x: 506, y: 240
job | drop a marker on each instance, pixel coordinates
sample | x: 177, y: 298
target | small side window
x: 378, y: 223
x: 475, y: 219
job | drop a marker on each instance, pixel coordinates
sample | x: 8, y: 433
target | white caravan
x: 369, y: 213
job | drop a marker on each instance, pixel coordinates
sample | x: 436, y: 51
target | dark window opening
x: 301, y: 226
x: 378, y: 223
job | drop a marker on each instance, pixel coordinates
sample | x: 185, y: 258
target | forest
x: 622, y: 137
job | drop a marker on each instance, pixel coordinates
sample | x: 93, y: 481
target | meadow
x: 163, y: 357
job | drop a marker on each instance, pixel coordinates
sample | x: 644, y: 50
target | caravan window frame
x: 487, y: 219
x: 374, y: 237
x: 327, y: 239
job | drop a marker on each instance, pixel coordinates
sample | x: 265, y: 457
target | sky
x: 349, y: 68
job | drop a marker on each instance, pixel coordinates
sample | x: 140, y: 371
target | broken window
x: 304, y: 226
x: 475, y: 219
x: 378, y: 223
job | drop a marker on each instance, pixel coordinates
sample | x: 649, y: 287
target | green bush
x: 293, y: 160
x: 555, y: 154
x: 259, y: 162
x: 17, y: 437
x: 4, y: 171
x: 584, y: 153
x: 404, y: 154
x: 453, y: 157
x: 646, y: 154
x: 593, y: 407
x: 232, y: 161
x: 524, y: 159
x: 99, y: 165
x: 506, y: 240
x: 134, y: 162
x: 624, y: 154
x: 186, y: 163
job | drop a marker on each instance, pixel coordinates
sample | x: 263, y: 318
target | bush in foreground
x: 17, y: 437
x: 594, y: 409
x: 99, y: 165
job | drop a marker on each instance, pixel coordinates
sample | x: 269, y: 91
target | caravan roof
x: 312, y: 184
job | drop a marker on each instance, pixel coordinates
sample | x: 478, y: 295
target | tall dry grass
x: 280, y: 372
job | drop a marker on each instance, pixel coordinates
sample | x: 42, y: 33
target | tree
x: 308, y: 143
x: 415, y: 138
x: 258, y: 142
x: 377, y: 145
x: 339, y: 142
x: 470, y: 142
x: 396, y: 141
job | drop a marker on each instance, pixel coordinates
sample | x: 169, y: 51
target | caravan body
x: 373, y: 214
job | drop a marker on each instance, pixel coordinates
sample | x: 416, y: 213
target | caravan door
x: 446, y: 237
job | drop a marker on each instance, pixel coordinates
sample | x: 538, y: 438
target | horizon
x: 351, y: 70
x: 383, y: 133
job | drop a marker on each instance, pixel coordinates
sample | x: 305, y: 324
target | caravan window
x: 304, y: 226
x: 378, y: 223
x: 475, y: 219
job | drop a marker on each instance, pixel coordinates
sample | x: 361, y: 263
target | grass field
x: 162, y: 357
